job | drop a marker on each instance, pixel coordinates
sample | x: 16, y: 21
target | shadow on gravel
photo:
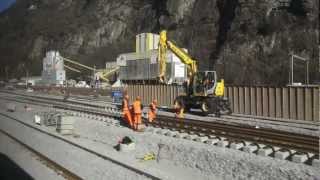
x: 10, y: 170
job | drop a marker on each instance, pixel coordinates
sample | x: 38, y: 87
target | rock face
x: 246, y: 41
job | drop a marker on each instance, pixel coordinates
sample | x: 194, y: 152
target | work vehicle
x: 202, y: 90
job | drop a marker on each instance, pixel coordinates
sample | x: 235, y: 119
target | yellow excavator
x: 202, y: 91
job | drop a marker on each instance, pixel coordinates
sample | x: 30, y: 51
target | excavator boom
x: 165, y: 44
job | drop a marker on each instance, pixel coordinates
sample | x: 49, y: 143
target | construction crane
x: 72, y: 69
x: 104, y: 76
x: 202, y: 89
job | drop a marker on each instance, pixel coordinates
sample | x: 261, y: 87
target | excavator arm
x: 165, y: 44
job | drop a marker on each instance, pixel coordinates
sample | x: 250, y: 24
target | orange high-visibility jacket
x: 125, y: 105
x: 153, y: 107
x: 137, y: 107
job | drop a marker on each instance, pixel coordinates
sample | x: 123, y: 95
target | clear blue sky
x: 4, y: 4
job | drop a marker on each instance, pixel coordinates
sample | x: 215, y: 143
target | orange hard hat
x: 138, y: 98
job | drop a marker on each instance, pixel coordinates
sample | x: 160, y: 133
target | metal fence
x: 280, y: 102
x: 164, y: 94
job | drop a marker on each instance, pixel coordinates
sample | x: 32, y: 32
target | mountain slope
x: 247, y: 41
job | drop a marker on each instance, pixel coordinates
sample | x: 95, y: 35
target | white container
x: 146, y: 42
x: 145, y: 66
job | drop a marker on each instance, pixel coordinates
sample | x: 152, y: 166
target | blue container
x: 117, y: 96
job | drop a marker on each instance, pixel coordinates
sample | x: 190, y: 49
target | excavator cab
x: 205, y: 83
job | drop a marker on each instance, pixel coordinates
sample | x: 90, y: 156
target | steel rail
x: 64, y: 172
x: 286, y: 140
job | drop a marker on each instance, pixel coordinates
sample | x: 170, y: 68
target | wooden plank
x: 293, y: 103
x: 259, y: 101
x: 300, y: 103
x: 316, y: 105
x: 253, y: 101
x: 241, y: 100
x: 278, y: 103
x: 272, y: 102
x: 308, y: 104
x: 285, y: 103
x: 236, y: 99
x: 265, y: 103
x: 247, y: 109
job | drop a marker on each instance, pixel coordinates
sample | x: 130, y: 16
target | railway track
x: 234, y: 118
x: 234, y: 133
x: 67, y: 174
x: 243, y: 133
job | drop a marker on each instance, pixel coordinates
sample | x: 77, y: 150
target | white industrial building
x: 53, y: 69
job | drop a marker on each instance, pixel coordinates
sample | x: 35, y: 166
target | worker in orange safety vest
x: 137, y: 111
x: 179, y: 110
x: 152, y: 111
x: 126, y: 111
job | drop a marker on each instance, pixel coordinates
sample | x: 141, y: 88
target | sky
x: 4, y: 4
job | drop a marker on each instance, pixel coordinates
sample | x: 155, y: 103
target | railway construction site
x: 196, y: 147
x: 160, y: 89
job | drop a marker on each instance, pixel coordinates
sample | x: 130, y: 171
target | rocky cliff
x: 246, y: 41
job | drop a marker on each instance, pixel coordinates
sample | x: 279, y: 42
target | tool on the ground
x: 148, y: 157
x: 126, y: 144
